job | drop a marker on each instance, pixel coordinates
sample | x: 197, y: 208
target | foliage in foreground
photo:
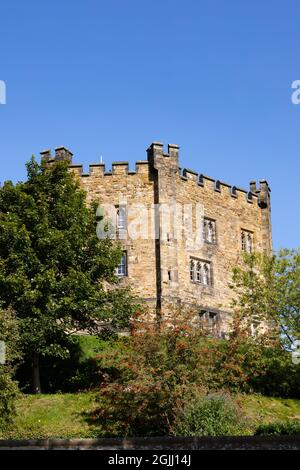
x: 279, y: 428
x: 279, y: 376
x: 151, y: 376
x: 267, y: 298
x: 267, y: 291
x: 211, y: 415
x: 9, y: 335
x: 54, y: 271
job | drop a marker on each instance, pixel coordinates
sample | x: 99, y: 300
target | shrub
x: 279, y: 428
x: 148, y: 377
x: 154, y: 374
x: 278, y: 376
x: 8, y: 395
x: 213, y: 415
x: 8, y: 387
x: 139, y: 409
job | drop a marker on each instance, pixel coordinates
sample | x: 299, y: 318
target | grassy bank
x: 57, y: 416
x: 66, y: 415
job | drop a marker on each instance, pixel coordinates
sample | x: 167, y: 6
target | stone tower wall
x: 158, y: 267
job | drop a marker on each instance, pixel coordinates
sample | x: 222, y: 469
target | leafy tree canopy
x: 268, y: 292
x: 54, y: 271
x: 10, y: 354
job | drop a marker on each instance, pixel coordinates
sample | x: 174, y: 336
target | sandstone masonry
x: 163, y: 270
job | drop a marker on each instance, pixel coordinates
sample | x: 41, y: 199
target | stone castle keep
x: 163, y: 270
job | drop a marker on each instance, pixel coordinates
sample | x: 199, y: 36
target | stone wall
x: 159, y: 267
x: 159, y: 443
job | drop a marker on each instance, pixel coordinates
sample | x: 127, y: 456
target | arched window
x: 254, y: 329
x: 192, y: 270
x: 249, y: 243
x: 210, y: 232
x: 198, y: 272
x: 121, y: 222
x: 208, y: 319
x: 212, y: 319
x: 204, y: 234
x: 205, y: 275
x: 244, y: 242
x: 121, y: 218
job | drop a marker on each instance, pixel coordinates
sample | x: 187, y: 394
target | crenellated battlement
x: 118, y: 168
x: 255, y: 194
x: 157, y: 159
x: 61, y: 154
x: 219, y: 186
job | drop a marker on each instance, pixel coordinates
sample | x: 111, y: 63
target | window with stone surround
x: 200, y: 272
x: 208, y: 319
x: 254, y: 329
x: 122, y: 268
x: 247, y: 241
x: 121, y: 219
x: 209, y: 230
x: 192, y: 269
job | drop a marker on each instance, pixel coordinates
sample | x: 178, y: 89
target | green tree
x: 267, y: 292
x: 288, y: 285
x: 54, y: 271
x: 10, y: 354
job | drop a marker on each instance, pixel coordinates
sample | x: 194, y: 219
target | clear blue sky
x: 109, y: 77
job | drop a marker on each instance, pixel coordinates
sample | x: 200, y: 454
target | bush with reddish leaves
x: 153, y: 374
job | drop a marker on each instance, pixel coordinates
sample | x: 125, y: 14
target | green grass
x: 56, y: 416
x: 260, y: 409
x: 64, y: 415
